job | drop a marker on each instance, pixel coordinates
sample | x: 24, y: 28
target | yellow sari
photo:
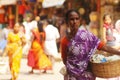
x: 14, y: 48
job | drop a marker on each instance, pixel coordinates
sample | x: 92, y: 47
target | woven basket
x: 106, y: 69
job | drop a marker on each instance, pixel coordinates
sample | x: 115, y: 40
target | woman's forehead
x: 74, y: 14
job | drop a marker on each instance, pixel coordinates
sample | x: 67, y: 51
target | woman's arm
x: 108, y: 49
x: 23, y: 39
x: 7, y: 46
x: 104, y: 34
x: 64, y: 43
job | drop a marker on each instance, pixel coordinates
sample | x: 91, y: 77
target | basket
x: 106, y: 69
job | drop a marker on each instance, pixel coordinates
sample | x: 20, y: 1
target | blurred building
x: 7, y: 12
x: 11, y: 9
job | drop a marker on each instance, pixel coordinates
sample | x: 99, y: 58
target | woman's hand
x: 111, y: 50
x: 23, y: 39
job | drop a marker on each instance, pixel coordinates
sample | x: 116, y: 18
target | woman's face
x: 28, y: 19
x: 16, y: 29
x: 108, y: 19
x: 74, y: 21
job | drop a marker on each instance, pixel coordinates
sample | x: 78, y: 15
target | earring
x: 68, y: 30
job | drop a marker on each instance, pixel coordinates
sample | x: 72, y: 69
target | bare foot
x: 31, y: 72
x: 44, y: 71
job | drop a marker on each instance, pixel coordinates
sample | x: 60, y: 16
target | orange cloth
x: 101, y: 44
x: 64, y: 49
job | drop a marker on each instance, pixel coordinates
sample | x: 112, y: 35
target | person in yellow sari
x: 14, y: 51
x: 37, y: 59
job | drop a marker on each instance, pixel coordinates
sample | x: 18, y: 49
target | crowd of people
x: 37, y: 39
x: 41, y: 42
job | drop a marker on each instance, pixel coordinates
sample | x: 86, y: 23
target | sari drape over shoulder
x: 76, y: 54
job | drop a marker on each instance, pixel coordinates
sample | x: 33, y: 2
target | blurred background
x: 91, y: 11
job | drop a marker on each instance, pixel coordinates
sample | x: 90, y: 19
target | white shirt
x: 50, y: 43
x: 28, y: 27
x: 84, y: 27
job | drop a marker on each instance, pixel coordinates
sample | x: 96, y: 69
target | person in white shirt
x: 84, y: 25
x: 52, y: 35
x: 3, y: 37
x: 28, y: 26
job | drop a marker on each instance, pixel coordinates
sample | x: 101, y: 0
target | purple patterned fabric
x: 81, y: 48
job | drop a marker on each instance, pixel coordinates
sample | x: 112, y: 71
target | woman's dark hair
x: 107, y: 15
x: 20, y: 18
x: 50, y: 21
x: 40, y: 26
x: 40, y: 29
x: 68, y: 13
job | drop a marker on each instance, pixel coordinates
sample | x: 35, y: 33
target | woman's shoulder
x: 64, y: 40
x: 85, y: 34
x: 82, y: 31
x: 10, y: 33
x: 42, y: 33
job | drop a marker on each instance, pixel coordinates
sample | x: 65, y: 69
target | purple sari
x: 80, y: 49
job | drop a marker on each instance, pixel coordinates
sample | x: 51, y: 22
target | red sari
x: 37, y: 59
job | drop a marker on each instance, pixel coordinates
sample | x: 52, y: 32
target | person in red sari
x: 37, y: 59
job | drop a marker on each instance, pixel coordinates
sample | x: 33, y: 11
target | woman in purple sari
x: 78, y: 47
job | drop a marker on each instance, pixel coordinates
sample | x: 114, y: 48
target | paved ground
x: 24, y: 75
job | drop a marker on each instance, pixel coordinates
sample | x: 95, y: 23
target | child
x: 108, y: 30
